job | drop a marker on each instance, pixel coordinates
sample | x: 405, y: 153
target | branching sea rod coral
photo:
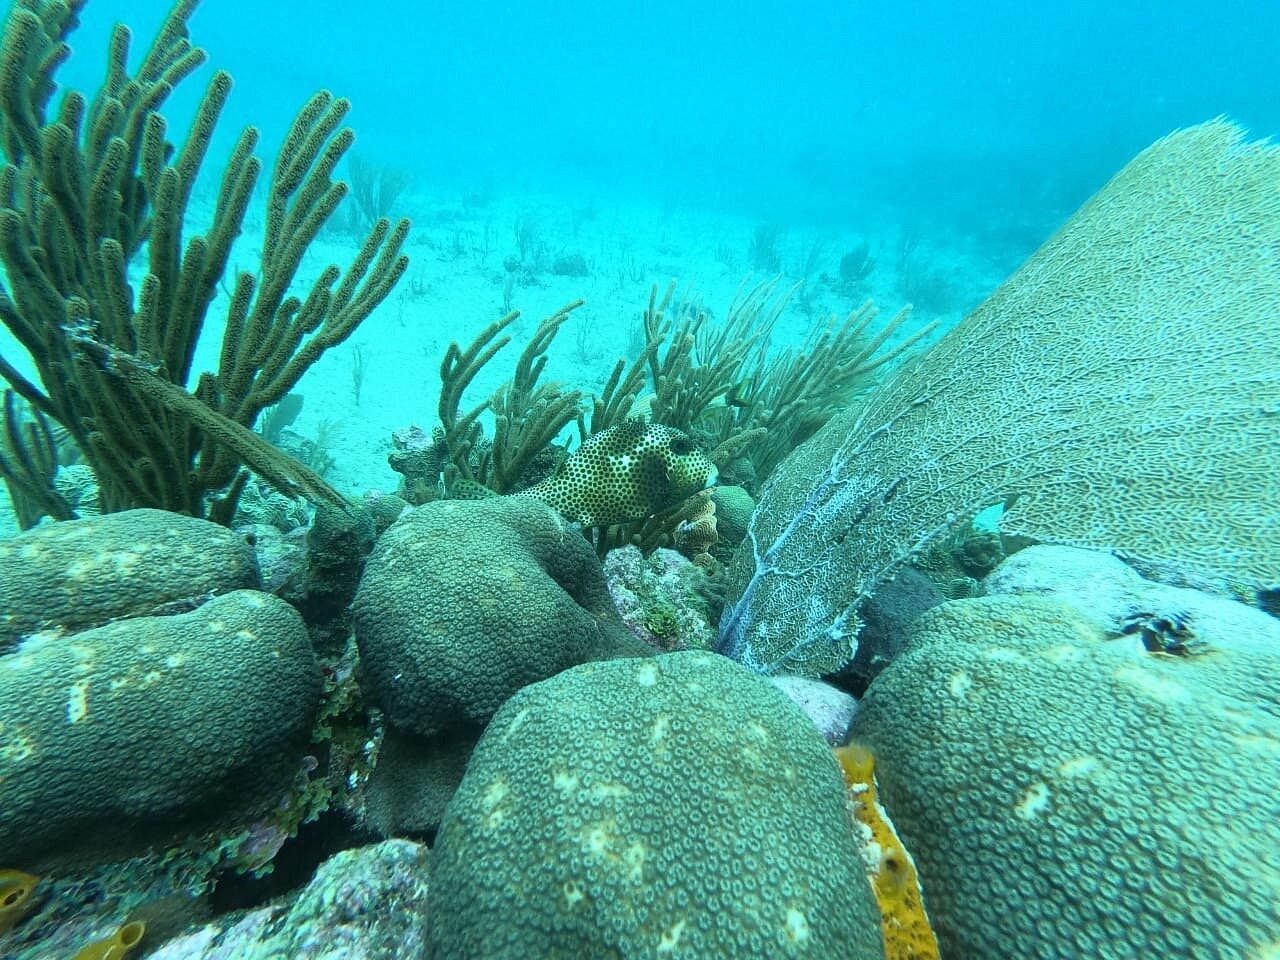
x: 528, y: 415
x: 83, y: 188
x: 691, y: 383
x: 723, y: 384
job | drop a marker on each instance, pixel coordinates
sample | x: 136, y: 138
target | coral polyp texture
x: 1066, y: 791
x: 118, y: 736
x: 461, y: 604
x: 1119, y: 391
x: 670, y: 806
x: 628, y: 472
x: 82, y: 573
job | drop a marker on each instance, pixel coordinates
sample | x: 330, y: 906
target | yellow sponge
x: 15, y: 896
x: 903, y: 922
x: 115, y: 946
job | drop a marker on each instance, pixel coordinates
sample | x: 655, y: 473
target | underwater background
x: 698, y: 142
x: 888, y: 493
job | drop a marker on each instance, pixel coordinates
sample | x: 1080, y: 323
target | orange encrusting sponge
x: 903, y: 922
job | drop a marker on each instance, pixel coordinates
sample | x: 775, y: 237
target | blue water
x: 945, y: 114
x: 971, y: 131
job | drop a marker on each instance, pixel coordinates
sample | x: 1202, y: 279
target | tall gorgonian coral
x: 87, y: 187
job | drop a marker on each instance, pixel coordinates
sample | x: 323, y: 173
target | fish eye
x: 680, y: 446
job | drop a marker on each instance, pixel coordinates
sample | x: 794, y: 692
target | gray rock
x: 369, y: 903
x: 830, y: 708
x: 1116, y: 599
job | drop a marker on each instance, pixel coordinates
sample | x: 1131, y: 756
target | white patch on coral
x: 1258, y: 743
x: 565, y: 781
x: 1002, y: 655
x: 647, y: 675
x: 516, y: 723
x: 573, y: 894
x: 491, y: 801
x: 797, y: 928
x: 126, y: 563
x: 608, y: 791
x: 81, y: 570
x: 20, y: 658
x: 1266, y: 951
x: 494, y: 794
x: 659, y: 730
x: 1065, y: 653
x: 1035, y: 801
x: 78, y: 701
x: 959, y: 684
x: 15, y: 747
x: 634, y: 859
x: 1154, y: 685
x: 670, y: 939
x: 599, y: 838
x: 1079, y: 766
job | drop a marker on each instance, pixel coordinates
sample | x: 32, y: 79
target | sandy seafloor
x: 455, y: 286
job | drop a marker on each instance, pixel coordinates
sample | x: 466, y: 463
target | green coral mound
x: 463, y: 602
x: 1120, y: 391
x: 80, y: 573
x: 118, y: 736
x: 674, y: 806
x: 1067, y: 794
x: 460, y: 605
